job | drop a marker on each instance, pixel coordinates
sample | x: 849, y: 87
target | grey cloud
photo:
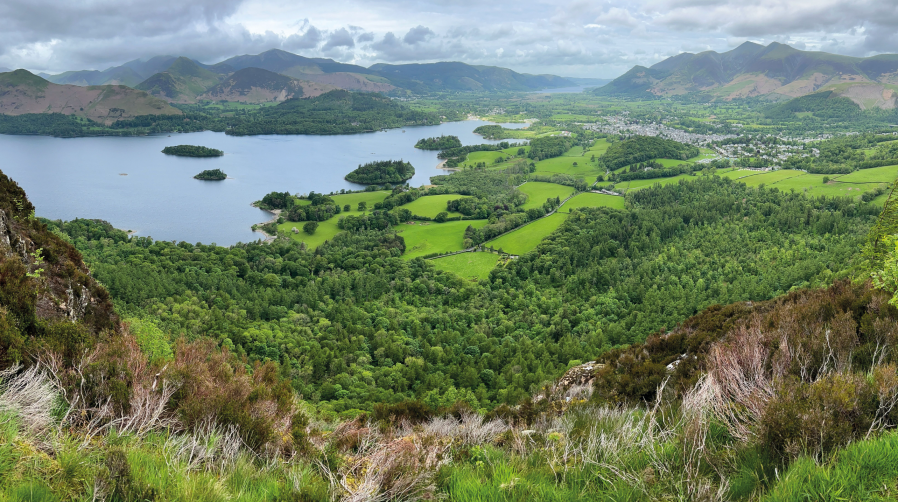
x: 308, y: 40
x: 417, y: 35
x: 365, y: 37
x: 339, y: 38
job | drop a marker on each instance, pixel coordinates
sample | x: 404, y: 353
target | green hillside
x: 183, y: 81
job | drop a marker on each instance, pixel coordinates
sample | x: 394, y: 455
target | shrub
x: 818, y: 417
x: 310, y: 227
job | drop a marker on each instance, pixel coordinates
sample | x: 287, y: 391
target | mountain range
x: 184, y: 80
x: 775, y: 71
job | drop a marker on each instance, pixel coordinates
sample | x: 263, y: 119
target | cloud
x: 308, y: 40
x: 418, y: 34
x: 339, y: 38
x: 597, y: 38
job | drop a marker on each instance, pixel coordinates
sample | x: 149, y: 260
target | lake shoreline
x: 275, y: 214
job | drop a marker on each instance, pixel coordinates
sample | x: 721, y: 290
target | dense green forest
x: 335, y: 112
x: 440, y: 143
x: 820, y: 105
x: 381, y: 172
x: 192, y: 151
x: 353, y: 324
x: 548, y: 147
x: 211, y: 175
x: 643, y: 148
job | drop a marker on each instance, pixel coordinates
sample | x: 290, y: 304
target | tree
x: 363, y: 206
x: 441, y: 217
x: 346, y: 208
x: 310, y: 227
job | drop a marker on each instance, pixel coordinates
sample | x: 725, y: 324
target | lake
x: 131, y: 184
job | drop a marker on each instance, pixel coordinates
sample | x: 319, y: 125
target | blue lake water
x: 131, y: 184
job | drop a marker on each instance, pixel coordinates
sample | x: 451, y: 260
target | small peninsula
x: 192, y: 151
x: 382, y: 171
x: 438, y: 143
x: 211, y: 175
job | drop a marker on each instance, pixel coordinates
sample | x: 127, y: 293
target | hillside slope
x: 777, y: 71
x: 182, y: 82
x: 255, y: 85
x: 22, y: 92
x: 47, y: 295
x: 455, y: 76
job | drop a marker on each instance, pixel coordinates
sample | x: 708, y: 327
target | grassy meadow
x: 526, y: 238
x: 431, y: 205
x: 426, y: 237
x: 326, y: 231
x: 468, y: 265
x: 537, y: 193
x: 589, y: 199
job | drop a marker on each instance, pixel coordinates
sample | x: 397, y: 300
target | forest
x: 192, y: 151
x: 335, y: 112
x: 643, y: 148
x: 381, y: 172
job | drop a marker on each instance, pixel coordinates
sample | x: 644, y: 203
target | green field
x: 326, y: 231
x: 565, y: 165
x: 576, y: 151
x: 592, y: 200
x: 599, y: 147
x: 771, y: 177
x: 637, y: 184
x: 426, y: 237
x: 526, y: 238
x: 736, y: 174
x: 468, y: 265
x: 538, y: 192
x: 885, y: 174
x: 812, y: 185
x: 431, y: 205
x: 353, y: 200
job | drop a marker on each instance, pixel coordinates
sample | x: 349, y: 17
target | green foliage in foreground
x: 862, y: 471
x: 211, y: 174
x: 192, y: 151
x: 353, y: 323
x: 381, y: 172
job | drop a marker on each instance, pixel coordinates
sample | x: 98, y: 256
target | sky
x: 598, y: 39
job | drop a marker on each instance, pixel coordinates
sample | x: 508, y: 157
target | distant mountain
x: 4, y: 69
x: 119, y: 75
x: 456, y: 76
x: 182, y: 82
x: 777, y: 71
x: 324, y: 71
x: 151, y: 66
x: 163, y: 76
x: 130, y: 73
x: 23, y: 92
x: 255, y: 85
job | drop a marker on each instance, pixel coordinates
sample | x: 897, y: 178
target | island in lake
x: 211, y: 175
x: 438, y: 143
x: 192, y: 151
x: 382, y: 171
